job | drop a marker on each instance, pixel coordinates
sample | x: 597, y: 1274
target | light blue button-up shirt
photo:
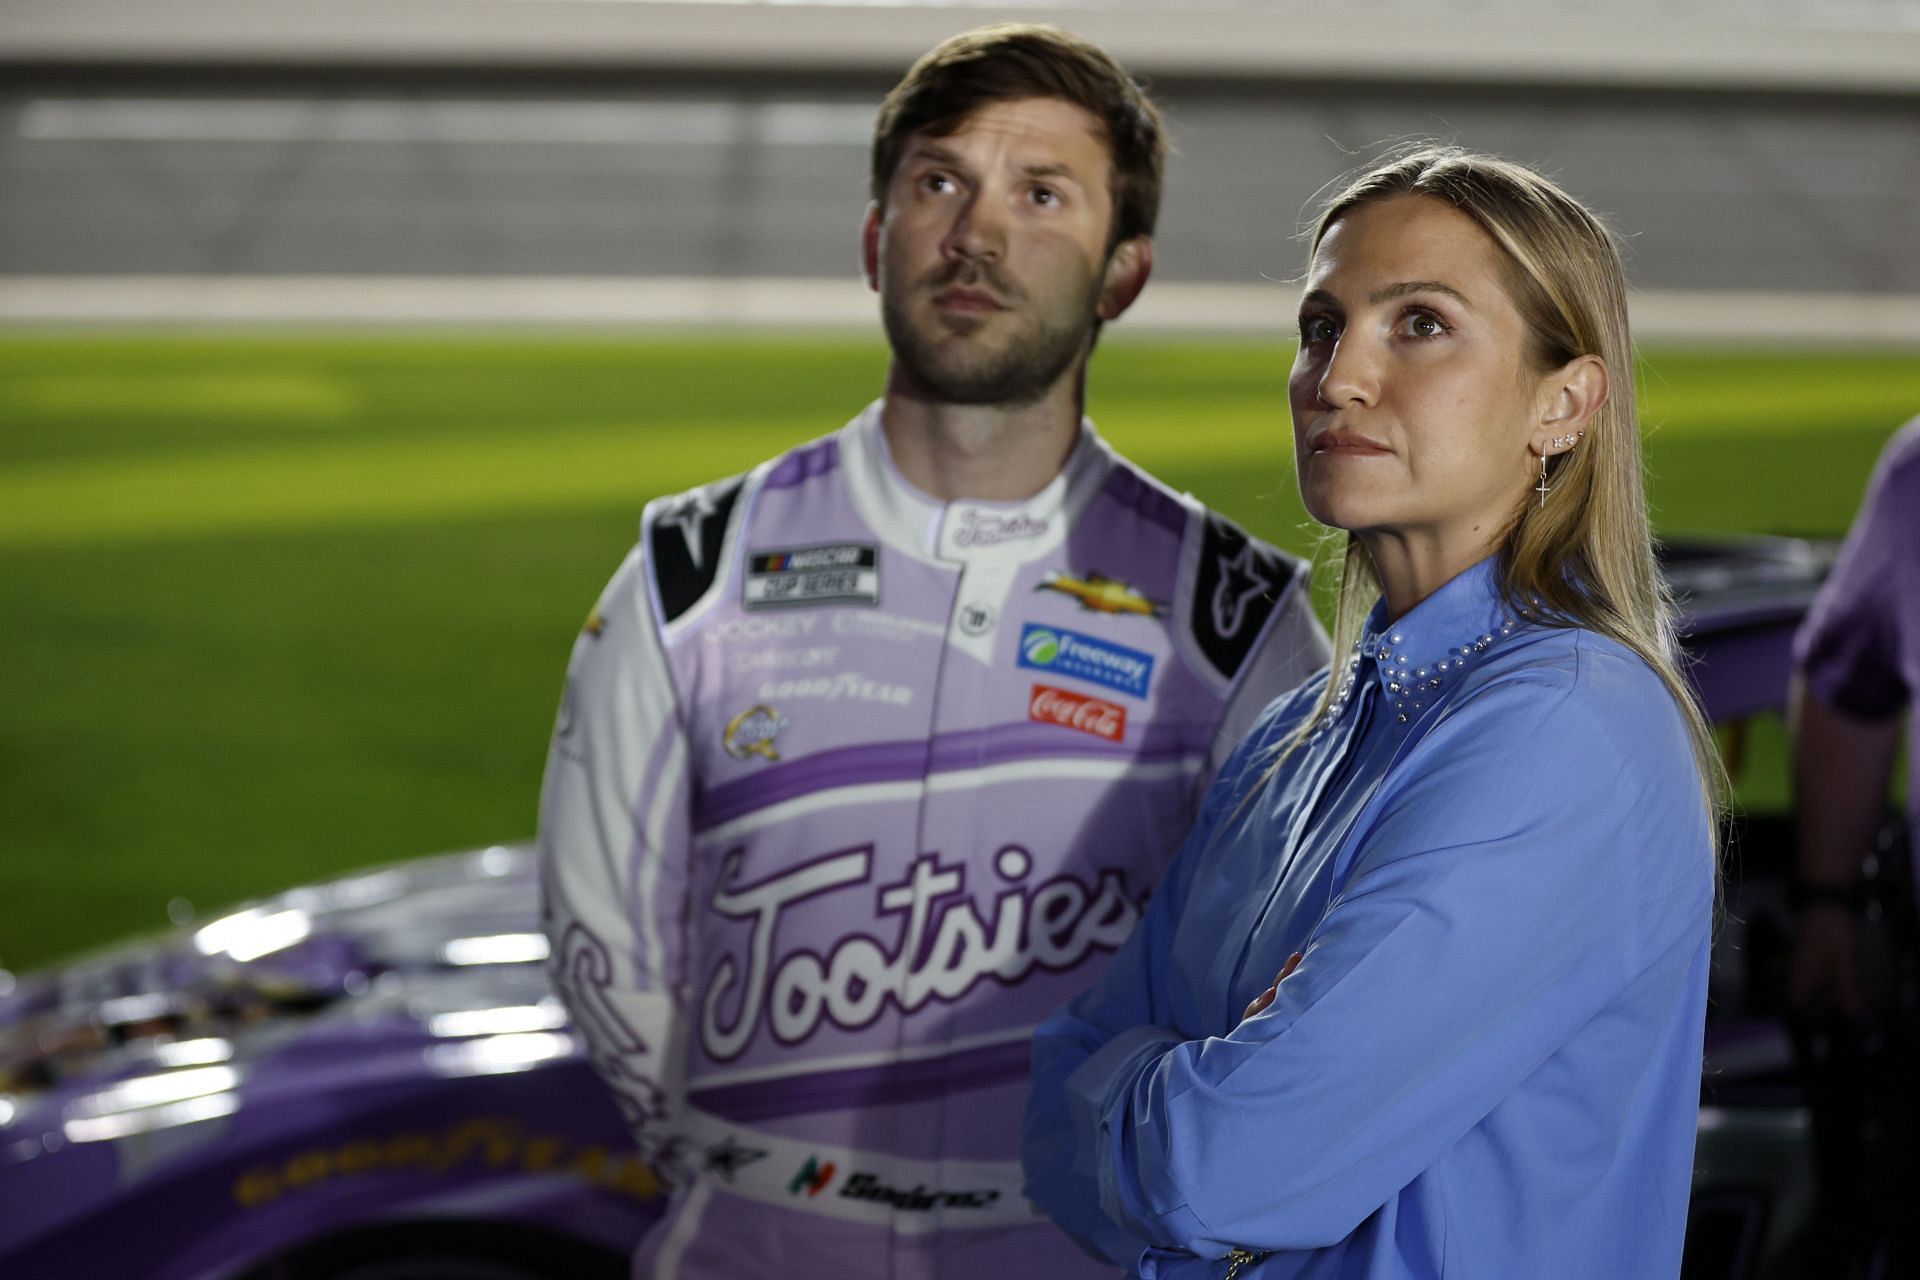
x: 1496, y: 860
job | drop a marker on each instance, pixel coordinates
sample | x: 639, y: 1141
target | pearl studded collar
x: 1432, y: 646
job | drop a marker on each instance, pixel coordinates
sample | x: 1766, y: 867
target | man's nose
x: 979, y: 229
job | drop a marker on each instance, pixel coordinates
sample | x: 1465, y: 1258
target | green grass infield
x: 275, y: 607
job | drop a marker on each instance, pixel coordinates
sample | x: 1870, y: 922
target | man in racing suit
x: 868, y: 758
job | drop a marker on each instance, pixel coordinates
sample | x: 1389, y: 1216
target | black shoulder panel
x: 1240, y: 581
x: 683, y: 544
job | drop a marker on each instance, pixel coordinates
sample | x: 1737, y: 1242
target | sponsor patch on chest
x: 1061, y: 652
x: 753, y: 733
x: 1071, y: 710
x: 832, y: 573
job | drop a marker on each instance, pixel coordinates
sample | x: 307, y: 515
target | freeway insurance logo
x: 1068, y: 653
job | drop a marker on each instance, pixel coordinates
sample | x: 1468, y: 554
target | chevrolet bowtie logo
x: 1102, y: 594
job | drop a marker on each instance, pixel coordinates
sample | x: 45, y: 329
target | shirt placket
x: 1351, y: 718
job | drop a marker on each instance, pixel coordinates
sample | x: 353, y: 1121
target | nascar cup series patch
x: 1061, y: 652
x: 834, y: 573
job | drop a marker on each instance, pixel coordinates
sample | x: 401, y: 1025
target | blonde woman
x: 1423, y: 994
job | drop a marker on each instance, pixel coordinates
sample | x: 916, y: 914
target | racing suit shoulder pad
x: 1238, y: 582
x: 683, y: 536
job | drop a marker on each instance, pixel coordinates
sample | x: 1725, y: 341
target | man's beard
x: 1018, y: 374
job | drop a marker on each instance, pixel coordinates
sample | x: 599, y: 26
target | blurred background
x: 342, y: 341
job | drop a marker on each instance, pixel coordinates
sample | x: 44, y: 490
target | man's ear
x: 1128, y: 267
x: 870, y: 246
x: 1573, y: 393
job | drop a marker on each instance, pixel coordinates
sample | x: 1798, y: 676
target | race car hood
x: 1741, y: 601
x: 353, y: 977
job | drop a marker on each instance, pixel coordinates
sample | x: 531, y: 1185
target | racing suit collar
x: 966, y: 531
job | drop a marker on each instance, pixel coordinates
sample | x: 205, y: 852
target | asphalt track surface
x: 563, y: 178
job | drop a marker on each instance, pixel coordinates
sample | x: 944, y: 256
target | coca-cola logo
x: 1063, y: 707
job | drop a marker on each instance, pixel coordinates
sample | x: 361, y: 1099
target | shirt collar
x: 1417, y: 657
x: 966, y: 530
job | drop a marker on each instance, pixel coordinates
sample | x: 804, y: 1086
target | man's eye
x: 1045, y: 195
x: 936, y: 183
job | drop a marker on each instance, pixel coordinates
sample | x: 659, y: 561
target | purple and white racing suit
x: 849, y: 790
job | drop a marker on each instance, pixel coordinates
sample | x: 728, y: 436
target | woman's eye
x: 1317, y: 329
x: 1423, y: 324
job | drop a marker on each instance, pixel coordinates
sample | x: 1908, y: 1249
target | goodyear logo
x: 1069, y: 653
x: 482, y: 1144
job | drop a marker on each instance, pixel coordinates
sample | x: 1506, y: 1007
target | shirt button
x: 976, y: 619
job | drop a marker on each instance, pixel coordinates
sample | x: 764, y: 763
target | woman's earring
x: 1541, y: 488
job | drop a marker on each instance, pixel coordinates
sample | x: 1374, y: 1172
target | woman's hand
x: 1265, y: 998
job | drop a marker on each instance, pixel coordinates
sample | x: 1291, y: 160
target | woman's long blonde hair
x: 1584, y: 555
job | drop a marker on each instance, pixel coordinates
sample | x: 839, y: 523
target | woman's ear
x: 1573, y: 393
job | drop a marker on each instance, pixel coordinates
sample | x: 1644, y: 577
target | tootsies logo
x: 989, y: 528
x: 942, y: 945
x: 1096, y: 716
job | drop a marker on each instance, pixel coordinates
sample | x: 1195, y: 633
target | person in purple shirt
x: 868, y: 757
x: 1857, y: 658
x: 1857, y: 661
x: 1423, y: 995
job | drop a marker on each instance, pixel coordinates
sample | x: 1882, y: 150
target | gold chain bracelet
x: 1238, y: 1258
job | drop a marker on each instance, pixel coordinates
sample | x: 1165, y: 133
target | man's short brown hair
x: 1030, y: 60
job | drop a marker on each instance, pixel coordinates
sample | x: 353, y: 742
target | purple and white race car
x: 367, y: 1077
x: 371, y: 1079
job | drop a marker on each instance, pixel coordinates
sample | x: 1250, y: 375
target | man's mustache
x: 972, y: 273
